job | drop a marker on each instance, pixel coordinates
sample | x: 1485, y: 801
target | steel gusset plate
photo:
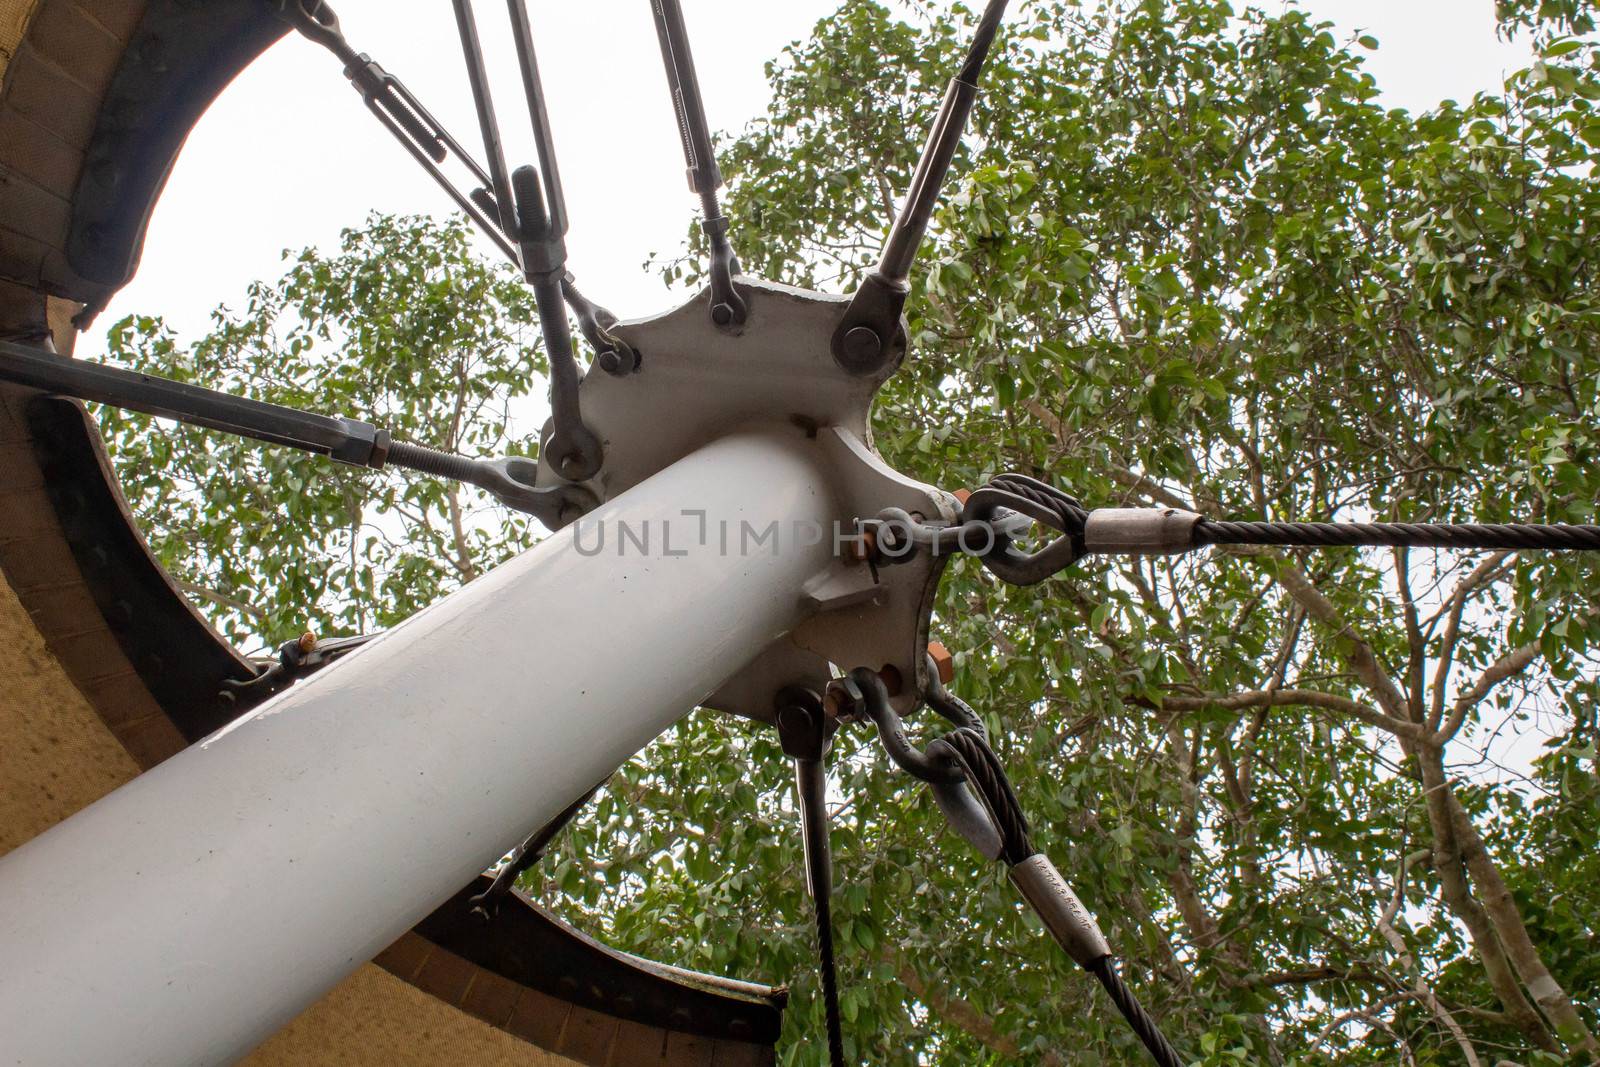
x: 698, y: 383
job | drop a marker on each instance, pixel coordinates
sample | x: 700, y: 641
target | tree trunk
x: 1508, y: 925
x: 1457, y: 894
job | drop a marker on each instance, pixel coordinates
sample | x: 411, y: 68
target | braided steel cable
x: 965, y: 753
x: 1400, y: 534
x: 1071, y: 513
x: 1139, y: 1020
x: 830, y: 980
x: 982, y: 39
x: 1066, y: 514
x: 988, y: 779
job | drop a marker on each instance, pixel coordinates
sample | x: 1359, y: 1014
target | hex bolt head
x: 307, y: 642
x: 944, y: 664
x: 721, y: 314
x: 610, y: 362
x: 843, y: 699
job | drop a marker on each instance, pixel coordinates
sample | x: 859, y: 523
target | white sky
x: 288, y: 156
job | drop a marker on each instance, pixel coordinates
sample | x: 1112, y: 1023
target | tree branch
x: 1283, y: 697
x: 960, y: 1012
x: 250, y: 611
x: 1452, y: 631
x: 1512, y: 663
x: 1403, y: 953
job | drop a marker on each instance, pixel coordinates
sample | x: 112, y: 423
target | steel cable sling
x: 993, y: 516
x: 805, y: 731
x: 983, y: 771
x: 976, y: 796
x: 991, y: 520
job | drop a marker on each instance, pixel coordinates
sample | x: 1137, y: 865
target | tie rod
x: 344, y: 440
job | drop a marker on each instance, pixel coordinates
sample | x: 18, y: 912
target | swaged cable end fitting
x: 1059, y: 908
x: 1139, y: 531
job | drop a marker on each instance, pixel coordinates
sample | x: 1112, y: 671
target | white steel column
x: 191, y: 913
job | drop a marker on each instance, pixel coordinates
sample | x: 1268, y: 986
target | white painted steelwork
x: 188, y: 915
x: 696, y: 381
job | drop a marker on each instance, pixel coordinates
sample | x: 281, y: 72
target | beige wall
x: 55, y: 754
x: 13, y: 17
x: 375, y: 1018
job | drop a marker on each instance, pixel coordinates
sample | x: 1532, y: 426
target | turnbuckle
x: 728, y: 306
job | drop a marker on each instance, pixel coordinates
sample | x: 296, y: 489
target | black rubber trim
x: 530, y: 946
x: 178, y: 656
x: 181, y: 56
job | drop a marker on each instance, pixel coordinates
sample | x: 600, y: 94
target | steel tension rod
x: 430, y: 144
x: 533, y: 212
x: 344, y: 440
x: 869, y: 337
x: 728, y: 307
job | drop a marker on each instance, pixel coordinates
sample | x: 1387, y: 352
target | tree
x: 402, y: 327
x: 1190, y: 260
x: 1547, y: 18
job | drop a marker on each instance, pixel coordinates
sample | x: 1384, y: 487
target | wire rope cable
x: 987, y: 777
x: 828, y: 969
x: 1479, y: 535
x: 1139, y: 1020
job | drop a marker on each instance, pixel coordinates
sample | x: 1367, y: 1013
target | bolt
x: 862, y: 346
x: 721, y: 314
x: 863, y: 548
x: 307, y: 642
x: 842, y: 699
x: 105, y: 173
x: 944, y: 664
x: 963, y: 495
x: 610, y: 362
x: 570, y: 465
